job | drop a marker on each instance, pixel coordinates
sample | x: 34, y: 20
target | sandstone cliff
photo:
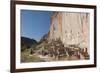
x: 70, y: 28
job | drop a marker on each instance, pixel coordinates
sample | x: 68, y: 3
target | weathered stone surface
x: 71, y: 28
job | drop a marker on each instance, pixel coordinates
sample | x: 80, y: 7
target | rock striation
x: 70, y: 28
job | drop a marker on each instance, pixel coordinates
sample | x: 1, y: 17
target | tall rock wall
x: 70, y: 28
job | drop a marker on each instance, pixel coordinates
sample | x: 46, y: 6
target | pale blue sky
x: 34, y: 24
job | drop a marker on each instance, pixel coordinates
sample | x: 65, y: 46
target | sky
x: 34, y: 24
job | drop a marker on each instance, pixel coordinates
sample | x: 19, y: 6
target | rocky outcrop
x: 67, y: 38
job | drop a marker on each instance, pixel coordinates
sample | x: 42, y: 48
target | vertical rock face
x: 70, y: 28
x: 56, y: 26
